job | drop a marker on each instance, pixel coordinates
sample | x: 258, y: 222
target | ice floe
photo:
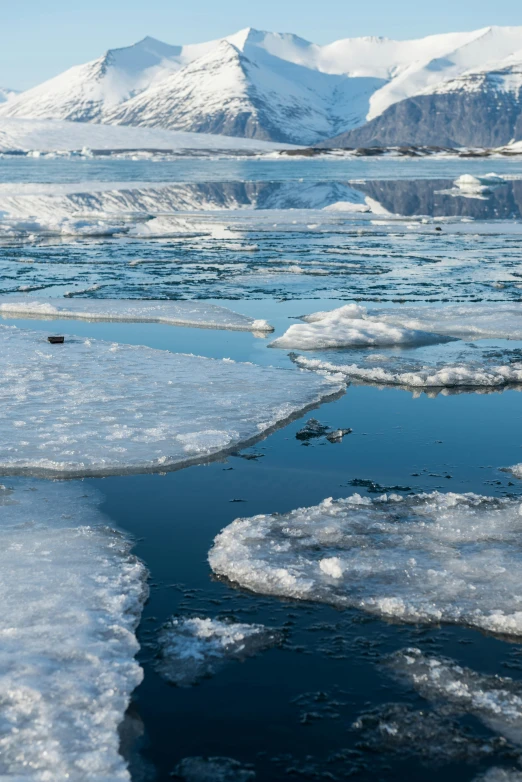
x: 463, y: 321
x: 427, y: 558
x: 465, y: 375
x: 349, y: 326
x: 198, y: 314
x: 94, y: 407
x: 218, y: 769
x: 495, y: 700
x: 516, y: 470
x: 72, y: 595
x: 191, y: 649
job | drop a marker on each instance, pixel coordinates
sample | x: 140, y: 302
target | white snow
x: 463, y: 374
x: 60, y: 135
x: 495, y: 700
x: 198, y: 314
x: 347, y: 206
x: 91, y: 407
x: 348, y: 326
x: 426, y: 558
x: 71, y: 598
x: 463, y: 321
x: 303, y: 89
x: 192, y: 649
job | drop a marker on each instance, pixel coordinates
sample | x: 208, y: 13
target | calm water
x: 289, y: 711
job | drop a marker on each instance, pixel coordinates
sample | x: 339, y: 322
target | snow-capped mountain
x: 481, y: 107
x: 280, y: 87
x: 7, y: 94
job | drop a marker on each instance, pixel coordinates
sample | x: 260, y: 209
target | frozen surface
x: 495, y: 700
x: 91, y: 407
x: 348, y: 326
x: 175, y: 313
x: 419, y: 375
x: 427, y: 558
x: 71, y: 597
x: 198, y: 769
x: 191, y: 649
x: 466, y: 321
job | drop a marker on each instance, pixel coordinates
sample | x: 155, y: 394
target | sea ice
x: 93, y: 407
x: 191, y: 649
x: 426, y: 558
x: 348, y: 326
x: 495, y: 700
x: 464, y: 375
x: 72, y: 595
x: 463, y: 321
x: 516, y: 470
x: 199, y: 314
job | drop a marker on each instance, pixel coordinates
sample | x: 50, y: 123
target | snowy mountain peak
x: 274, y: 86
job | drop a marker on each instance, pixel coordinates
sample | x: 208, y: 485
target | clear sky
x: 40, y: 38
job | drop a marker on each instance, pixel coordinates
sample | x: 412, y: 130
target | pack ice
x: 197, y: 314
x: 92, y: 407
x: 191, y: 649
x: 427, y: 558
x: 71, y: 597
x: 349, y: 326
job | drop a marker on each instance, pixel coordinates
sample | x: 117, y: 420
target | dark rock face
x: 487, y: 118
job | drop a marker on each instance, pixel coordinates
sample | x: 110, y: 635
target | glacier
x: 92, y: 407
x: 195, y: 648
x: 175, y: 313
x: 428, y: 558
x: 72, y: 595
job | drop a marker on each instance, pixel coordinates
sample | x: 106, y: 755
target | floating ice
x: 349, y: 326
x: 395, y: 728
x: 469, y: 184
x: 463, y: 321
x: 516, y: 470
x: 198, y: 314
x: 426, y: 558
x: 92, y: 407
x: 465, y: 375
x: 192, y: 649
x: 71, y: 597
x: 495, y: 700
x: 198, y: 769
x: 347, y: 206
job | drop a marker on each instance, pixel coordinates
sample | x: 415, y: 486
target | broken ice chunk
x: 191, y: 649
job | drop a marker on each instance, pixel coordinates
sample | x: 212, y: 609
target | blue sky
x: 40, y: 38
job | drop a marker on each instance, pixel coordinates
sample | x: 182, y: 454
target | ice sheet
x: 92, y: 407
x: 427, y: 558
x: 348, y: 326
x: 72, y: 595
x: 175, y: 313
x: 192, y: 649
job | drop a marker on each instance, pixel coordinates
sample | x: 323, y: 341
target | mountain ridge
x: 280, y: 87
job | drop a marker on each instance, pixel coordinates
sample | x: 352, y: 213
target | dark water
x: 290, y: 711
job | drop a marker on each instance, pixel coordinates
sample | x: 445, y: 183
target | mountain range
x: 451, y: 90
